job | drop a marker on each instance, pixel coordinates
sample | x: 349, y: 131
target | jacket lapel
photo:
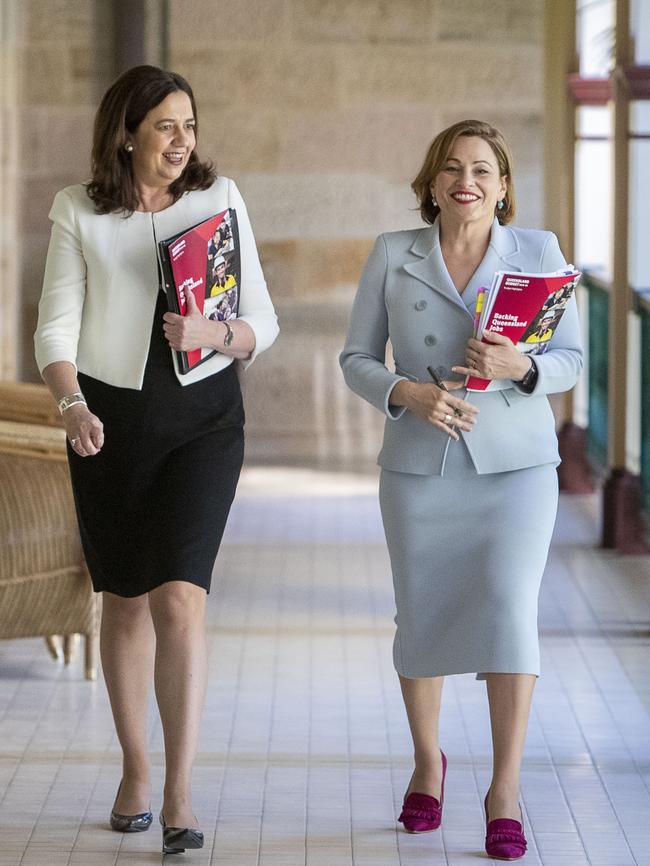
x: 174, y: 219
x: 431, y: 269
x: 499, y: 256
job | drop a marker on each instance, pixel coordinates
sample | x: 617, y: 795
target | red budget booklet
x: 205, y: 260
x: 527, y: 308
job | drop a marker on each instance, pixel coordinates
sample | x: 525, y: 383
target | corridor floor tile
x: 305, y: 751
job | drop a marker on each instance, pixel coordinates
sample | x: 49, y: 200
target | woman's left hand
x: 497, y: 359
x: 189, y: 332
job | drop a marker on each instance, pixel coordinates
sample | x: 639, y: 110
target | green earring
x: 501, y: 204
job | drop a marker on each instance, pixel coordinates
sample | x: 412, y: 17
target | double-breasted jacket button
x: 430, y: 340
x: 420, y: 305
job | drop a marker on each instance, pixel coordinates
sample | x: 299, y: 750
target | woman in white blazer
x: 154, y: 454
x: 468, y: 487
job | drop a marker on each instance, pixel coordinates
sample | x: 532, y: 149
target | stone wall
x: 322, y: 110
x: 9, y: 188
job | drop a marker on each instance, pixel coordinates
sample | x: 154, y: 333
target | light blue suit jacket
x: 406, y: 295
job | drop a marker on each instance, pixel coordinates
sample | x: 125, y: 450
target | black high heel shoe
x: 176, y: 839
x: 129, y: 823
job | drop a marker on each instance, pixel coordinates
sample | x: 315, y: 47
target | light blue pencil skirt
x: 467, y: 553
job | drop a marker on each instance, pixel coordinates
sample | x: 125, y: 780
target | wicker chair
x: 45, y: 589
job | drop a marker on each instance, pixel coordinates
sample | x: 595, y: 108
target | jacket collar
x: 431, y: 269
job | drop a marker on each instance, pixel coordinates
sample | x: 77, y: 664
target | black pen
x: 436, y: 379
x: 440, y: 384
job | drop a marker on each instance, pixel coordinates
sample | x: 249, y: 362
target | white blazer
x: 406, y: 295
x: 101, y: 284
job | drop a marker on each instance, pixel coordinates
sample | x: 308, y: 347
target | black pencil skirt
x: 152, y: 506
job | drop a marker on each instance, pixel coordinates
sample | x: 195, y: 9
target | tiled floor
x: 305, y: 752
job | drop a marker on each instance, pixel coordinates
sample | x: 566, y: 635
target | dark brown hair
x: 122, y: 110
x: 437, y: 155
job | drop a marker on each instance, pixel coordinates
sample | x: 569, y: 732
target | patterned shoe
x: 422, y: 813
x: 176, y: 839
x: 504, y: 838
x: 129, y: 823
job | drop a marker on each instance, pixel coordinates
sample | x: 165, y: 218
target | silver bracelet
x: 230, y: 335
x: 71, y: 400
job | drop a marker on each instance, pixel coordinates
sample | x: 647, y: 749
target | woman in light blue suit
x: 468, y: 487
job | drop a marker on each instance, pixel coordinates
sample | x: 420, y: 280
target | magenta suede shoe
x: 422, y: 813
x: 504, y: 838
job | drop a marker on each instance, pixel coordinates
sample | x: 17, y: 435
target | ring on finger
x: 457, y: 412
x: 73, y: 442
x: 447, y: 419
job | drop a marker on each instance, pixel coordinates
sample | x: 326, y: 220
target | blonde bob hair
x: 437, y: 155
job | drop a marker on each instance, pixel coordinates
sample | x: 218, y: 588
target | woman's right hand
x: 84, y: 430
x: 436, y: 406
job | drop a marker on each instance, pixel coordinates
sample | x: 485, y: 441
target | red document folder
x: 527, y: 308
x: 205, y: 260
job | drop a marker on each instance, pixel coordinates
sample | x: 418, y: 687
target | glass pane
x: 598, y: 337
x: 593, y: 181
x: 594, y: 120
x: 640, y: 26
x: 595, y: 36
x: 645, y: 406
x: 639, y: 213
x: 640, y: 117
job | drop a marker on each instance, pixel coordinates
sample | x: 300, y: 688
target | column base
x: 623, y: 524
x: 574, y: 472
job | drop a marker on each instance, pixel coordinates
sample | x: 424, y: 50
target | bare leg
x: 127, y: 651
x: 510, y: 697
x: 178, y: 612
x: 422, y: 698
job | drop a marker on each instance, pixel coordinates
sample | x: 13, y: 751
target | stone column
x: 9, y: 184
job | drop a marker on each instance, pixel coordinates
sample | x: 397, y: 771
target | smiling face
x: 469, y: 185
x: 163, y: 141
